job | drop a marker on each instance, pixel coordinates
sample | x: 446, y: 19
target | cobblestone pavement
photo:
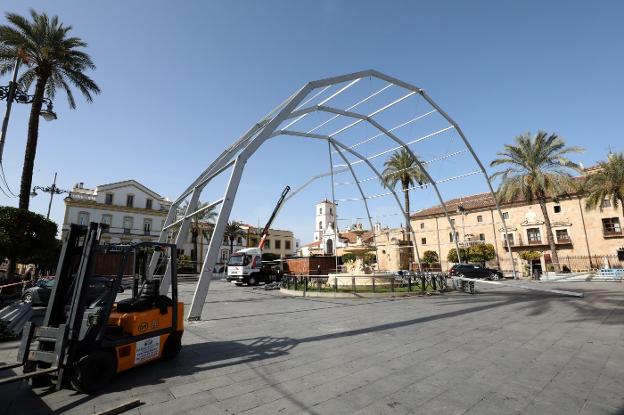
x: 503, y: 351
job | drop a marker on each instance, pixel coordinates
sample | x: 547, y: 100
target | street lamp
x: 53, y: 190
x: 11, y: 93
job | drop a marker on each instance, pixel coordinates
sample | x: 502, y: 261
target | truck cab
x: 245, y: 267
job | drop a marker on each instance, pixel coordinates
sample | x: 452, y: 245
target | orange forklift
x: 87, y: 335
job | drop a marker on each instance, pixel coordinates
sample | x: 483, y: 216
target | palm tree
x: 402, y: 168
x: 54, y: 61
x: 232, y: 231
x: 202, y: 224
x: 606, y: 183
x: 537, y: 167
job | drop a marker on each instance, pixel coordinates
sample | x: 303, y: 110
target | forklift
x: 87, y: 335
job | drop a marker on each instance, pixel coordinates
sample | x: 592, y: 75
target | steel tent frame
x: 295, y: 109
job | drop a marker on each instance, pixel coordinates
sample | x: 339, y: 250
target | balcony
x: 611, y: 233
x: 523, y: 245
x: 81, y: 197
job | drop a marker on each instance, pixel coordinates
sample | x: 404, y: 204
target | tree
x: 402, y: 168
x: 202, y: 225
x: 54, y: 61
x: 537, y: 167
x: 607, y: 183
x: 349, y: 256
x: 481, y: 253
x: 25, y: 236
x: 431, y: 257
x: 452, y: 255
x: 233, y: 230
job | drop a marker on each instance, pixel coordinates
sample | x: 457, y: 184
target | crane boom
x: 265, y: 231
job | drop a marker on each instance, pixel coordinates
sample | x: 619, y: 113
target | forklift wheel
x: 172, y: 346
x: 93, y: 371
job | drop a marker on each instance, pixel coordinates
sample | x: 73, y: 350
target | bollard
x: 392, y: 285
x: 373, y: 284
x: 335, y: 284
x: 305, y: 285
x: 433, y: 283
x: 353, y: 284
x: 296, y: 280
x: 422, y: 284
x: 318, y: 285
x: 409, y: 284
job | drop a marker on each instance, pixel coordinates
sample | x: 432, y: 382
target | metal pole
x: 52, y: 191
x: 7, y: 114
x: 331, y: 166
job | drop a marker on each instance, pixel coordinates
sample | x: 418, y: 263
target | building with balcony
x: 133, y: 212
x: 577, y: 231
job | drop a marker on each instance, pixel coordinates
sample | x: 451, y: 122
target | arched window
x: 321, y: 225
x: 330, y: 247
x: 320, y: 211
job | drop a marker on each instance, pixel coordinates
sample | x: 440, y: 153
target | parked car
x: 39, y: 294
x: 475, y: 271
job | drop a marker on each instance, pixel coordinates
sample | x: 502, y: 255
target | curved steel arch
x: 236, y: 156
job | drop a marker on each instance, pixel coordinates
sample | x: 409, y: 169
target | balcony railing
x: 539, y: 242
x: 82, y: 197
x: 608, y: 233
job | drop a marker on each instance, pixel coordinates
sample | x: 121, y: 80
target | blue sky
x: 181, y: 80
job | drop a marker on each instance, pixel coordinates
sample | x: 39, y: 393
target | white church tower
x: 325, y: 218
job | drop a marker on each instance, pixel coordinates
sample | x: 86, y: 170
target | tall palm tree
x: 233, y: 230
x: 402, y: 168
x: 53, y: 61
x: 606, y: 183
x: 537, y: 168
x: 200, y: 228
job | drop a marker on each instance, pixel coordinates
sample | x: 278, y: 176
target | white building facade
x: 133, y: 212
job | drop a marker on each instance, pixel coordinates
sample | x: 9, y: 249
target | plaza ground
x: 503, y: 351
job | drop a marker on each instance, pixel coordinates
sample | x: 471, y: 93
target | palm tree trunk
x: 407, y: 209
x: 31, y: 144
x: 231, y: 246
x: 549, y: 235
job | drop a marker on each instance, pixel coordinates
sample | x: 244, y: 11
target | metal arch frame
x: 335, y: 144
x: 239, y: 152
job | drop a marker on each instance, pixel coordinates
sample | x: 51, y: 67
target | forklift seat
x: 149, y: 298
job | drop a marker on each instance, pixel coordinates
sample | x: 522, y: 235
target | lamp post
x: 11, y: 93
x: 53, y: 190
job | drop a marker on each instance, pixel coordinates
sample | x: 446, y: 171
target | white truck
x: 245, y: 266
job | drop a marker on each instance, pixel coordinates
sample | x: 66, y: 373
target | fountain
x: 364, y: 274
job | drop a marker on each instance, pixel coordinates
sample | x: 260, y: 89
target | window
x: 479, y: 218
x: 320, y: 211
x: 611, y: 227
x: 147, y: 226
x: 534, y: 236
x: 453, y: 222
x: 320, y: 225
x: 127, y: 224
x: 83, y: 218
x: 107, y: 219
x: 557, y: 208
x: 267, y: 244
x: 482, y: 237
x: 278, y: 244
x: 505, y: 215
x: 422, y: 225
x: 226, y: 240
x: 108, y: 199
x: 606, y: 203
x: 287, y: 245
x: 510, y: 238
x: 562, y: 235
x: 148, y: 203
x: 130, y: 200
x: 451, y: 236
x: 423, y: 241
x: 330, y: 211
x: 239, y: 240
